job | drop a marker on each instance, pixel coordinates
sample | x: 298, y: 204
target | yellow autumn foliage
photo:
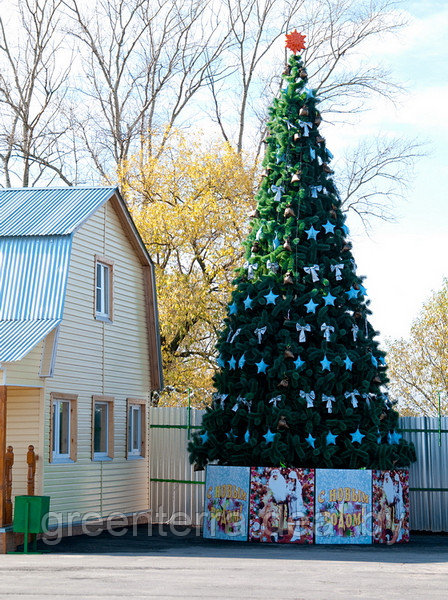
x: 418, y: 366
x: 190, y: 199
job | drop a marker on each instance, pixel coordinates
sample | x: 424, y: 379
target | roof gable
x: 49, y: 211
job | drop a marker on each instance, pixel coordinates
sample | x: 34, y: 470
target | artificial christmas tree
x: 302, y: 380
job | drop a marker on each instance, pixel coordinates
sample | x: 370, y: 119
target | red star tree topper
x: 295, y: 41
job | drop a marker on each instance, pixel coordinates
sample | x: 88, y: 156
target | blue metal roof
x: 33, y: 276
x: 17, y: 338
x: 33, y: 279
x: 48, y: 211
x: 36, y: 230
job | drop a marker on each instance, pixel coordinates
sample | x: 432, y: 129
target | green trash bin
x: 30, y: 516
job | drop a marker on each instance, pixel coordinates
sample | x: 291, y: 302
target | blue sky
x: 404, y: 261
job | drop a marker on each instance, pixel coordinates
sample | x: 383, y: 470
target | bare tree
x: 335, y: 30
x: 143, y: 63
x: 32, y: 89
x: 375, y: 175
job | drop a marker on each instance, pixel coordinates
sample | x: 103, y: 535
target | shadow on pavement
x: 186, y: 541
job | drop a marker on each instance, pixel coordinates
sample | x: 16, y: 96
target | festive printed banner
x: 281, y: 505
x: 226, y: 503
x: 390, y: 506
x: 343, y: 506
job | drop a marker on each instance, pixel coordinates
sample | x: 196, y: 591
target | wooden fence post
x: 9, y: 460
x: 2, y: 454
x: 31, y: 461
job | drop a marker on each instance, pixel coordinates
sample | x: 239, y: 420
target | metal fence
x: 177, y: 491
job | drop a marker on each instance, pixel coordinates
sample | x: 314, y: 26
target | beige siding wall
x: 97, y: 358
x: 25, y: 372
x: 24, y: 418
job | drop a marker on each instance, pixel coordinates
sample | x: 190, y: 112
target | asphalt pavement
x: 160, y: 562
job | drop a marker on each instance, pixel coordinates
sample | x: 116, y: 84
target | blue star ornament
x: 298, y: 362
x: 248, y: 302
x: 331, y: 439
x: 242, y: 361
x: 269, y: 436
x: 374, y: 361
x: 362, y: 289
x: 271, y: 297
x: 352, y: 293
x: 345, y: 229
x: 232, y: 363
x: 329, y: 227
x: 220, y: 362
x: 261, y: 366
x: 204, y: 437
x: 348, y: 364
x: 311, y: 306
x: 329, y: 299
x: 311, y: 233
x: 325, y: 364
x: 310, y: 440
x: 394, y: 438
x: 233, y: 308
x: 247, y: 436
x: 357, y: 436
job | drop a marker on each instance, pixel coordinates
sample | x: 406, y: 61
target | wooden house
x: 79, y: 353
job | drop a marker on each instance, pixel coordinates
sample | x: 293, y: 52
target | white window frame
x: 57, y: 429
x: 103, y: 288
x: 108, y: 402
x: 134, y: 405
x: 135, y: 408
x: 56, y: 399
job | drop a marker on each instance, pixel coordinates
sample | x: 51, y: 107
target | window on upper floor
x: 103, y: 288
x: 63, y: 423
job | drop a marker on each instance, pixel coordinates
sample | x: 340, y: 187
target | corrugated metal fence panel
x: 429, y: 508
x: 48, y: 211
x: 182, y: 501
x: 177, y: 500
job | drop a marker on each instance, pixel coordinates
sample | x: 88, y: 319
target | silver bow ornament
x: 303, y: 329
x: 352, y: 396
x: 314, y: 189
x: 251, y: 268
x: 260, y: 333
x: 306, y: 126
x: 221, y: 398
x: 231, y: 337
x: 336, y: 269
x: 328, y: 330
x: 329, y: 400
x: 312, y: 270
x: 275, y: 400
x: 278, y: 191
x: 309, y: 397
x: 273, y: 266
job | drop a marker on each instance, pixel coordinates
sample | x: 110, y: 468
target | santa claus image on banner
x: 281, y: 505
x: 390, y: 506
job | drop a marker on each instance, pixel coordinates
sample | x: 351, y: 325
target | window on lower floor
x: 102, y: 426
x: 136, y: 433
x: 63, y: 427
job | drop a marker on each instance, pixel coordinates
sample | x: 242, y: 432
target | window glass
x: 102, y: 302
x: 61, y: 428
x: 135, y: 429
x: 100, y: 428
